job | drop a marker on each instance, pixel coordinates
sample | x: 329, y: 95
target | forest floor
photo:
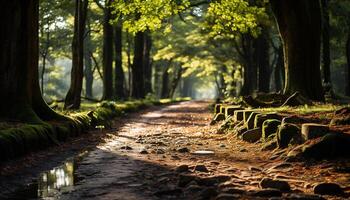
x: 167, y: 152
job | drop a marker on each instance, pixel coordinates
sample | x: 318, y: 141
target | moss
x: 288, y: 133
x: 269, y: 127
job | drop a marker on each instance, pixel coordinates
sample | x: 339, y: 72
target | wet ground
x: 166, y: 152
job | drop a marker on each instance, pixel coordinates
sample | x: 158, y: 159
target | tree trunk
x: 107, y: 53
x: 279, y: 70
x: 19, y: 77
x: 147, y: 62
x: 325, y: 43
x: 165, y: 84
x: 72, y: 100
x: 250, y: 68
x: 89, y: 77
x: 128, y: 53
x: 119, y: 73
x: 137, y: 67
x: 175, y: 81
x: 262, y: 60
x: 347, y: 87
x: 299, y: 23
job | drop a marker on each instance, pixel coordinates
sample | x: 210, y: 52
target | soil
x: 168, y: 152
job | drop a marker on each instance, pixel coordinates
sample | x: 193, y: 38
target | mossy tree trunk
x: 19, y: 75
x: 147, y: 64
x: 299, y: 23
x: 107, y: 53
x: 119, y: 73
x: 137, y: 67
x: 73, y: 100
x: 279, y: 70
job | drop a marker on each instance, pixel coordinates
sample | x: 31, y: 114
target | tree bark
x: 165, y: 84
x: 325, y: 43
x: 299, y: 23
x: 73, y: 100
x: 279, y: 70
x: 262, y: 60
x: 137, y: 67
x: 119, y: 73
x: 107, y: 53
x: 250, y: 67
x: 347, y: 87
x: 89, y: 78
x: 175, y: 81
x: 147, y: 64
x: 19, y: 75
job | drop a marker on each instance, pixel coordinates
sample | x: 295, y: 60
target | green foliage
x: 226, y: 18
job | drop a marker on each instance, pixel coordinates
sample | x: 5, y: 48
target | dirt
x: 153, y: 154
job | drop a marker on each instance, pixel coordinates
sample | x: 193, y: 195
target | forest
x: 187, y: 99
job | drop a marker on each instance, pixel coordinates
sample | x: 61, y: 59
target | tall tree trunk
x: 325, y: 43
x: 262, y: 60
x: 89, y: 77
x: 165, y: 84
x: 279, y: 70
x: 175, y: 81
x: 347, y: 87
x: 107, y: 53
x: 19, y: 76
x: 250, y: 67
x: 137, y: 67
x: 119, y: 73
x: 299, y: 23
x: 147, y: 64
x: 73, y: 100
x: 128, y: 54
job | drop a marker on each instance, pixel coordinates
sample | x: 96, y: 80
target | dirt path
x: 153, y: 155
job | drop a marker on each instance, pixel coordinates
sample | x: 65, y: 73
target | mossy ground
x: 17, y: 138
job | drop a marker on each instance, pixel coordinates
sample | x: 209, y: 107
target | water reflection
x: 50, y: 182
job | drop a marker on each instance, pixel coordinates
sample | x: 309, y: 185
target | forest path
x: 154, y: 155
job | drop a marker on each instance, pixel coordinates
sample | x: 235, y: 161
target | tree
x: 301, y: 43
x: 147, y: 63
x: 73, y: 100
x: 137, y: 67
x: 325, y: 43
x: 119, y: 73
x: 19, y: 81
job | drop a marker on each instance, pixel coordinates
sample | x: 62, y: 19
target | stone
x: 169, y: 192
x: 251, y: 119
x: 238, y: 115
x: 267, y: 193
x: 225, y: 196
x: 275, y: 184
x: 310, y: 130
x: 230, y: 110
x: 269, y: 145
x: 330, y: 146
x: 288, y: 133
x: 185, y: 179
x: 182, y: 168
x: 260, y: 118
x: 201, y: 168
x: 218, y: 117
x: 213, y: 180
x: 294, y: 119
x: 232, y: 190
x: 143, y: 151
x: 300, y: 196
x: 252, y: 135
x: 183, y: 150
x: 217, y: 108
x: 269, y: 127
x: 246, y: 115
x: 328, y: 189
x: 208, y: 193
x: 240, y: 130
x: 159, y: 151
x: 126, y: 147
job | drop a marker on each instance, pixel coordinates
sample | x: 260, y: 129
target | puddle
x: 49, y: 183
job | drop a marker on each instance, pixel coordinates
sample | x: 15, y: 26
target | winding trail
x: 152, y: 155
